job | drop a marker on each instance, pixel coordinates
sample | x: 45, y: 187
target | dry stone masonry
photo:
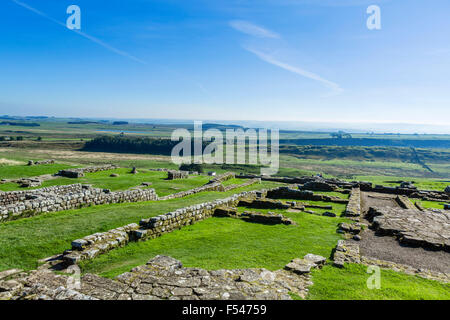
x: 430, y: 228
x: 174, y: 174
x: 31, y: 162
x: 162, y: 278
x: 223, y: 177
x: 354, y: 204
x: 79, y: 172
x: 269, y: 218
x: 20, y: 204
x: 289, y: 193
x: 92, y: 246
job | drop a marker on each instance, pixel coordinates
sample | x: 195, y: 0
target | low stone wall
x: 313, y: 181
x: 318, y: 186
x: 174, y: 174
x: 154, y: 227
x: 405, y: 203
x: 245, y: 184
x: 79, y: 172
x: 96, y: 244
x: 265, y: 218
x: 50, y: 202
x: 207, y: 187
x: 289, y: 180
x: 167, y: 170
x: 431, y: 195
x: 252, y: 216
x: 289, y: 193
x: 11, y: 197
x: 217, y: 186
x: 354, y: 204
x: 223, y: 177
x: 263, y: 204
x: 31, y: 162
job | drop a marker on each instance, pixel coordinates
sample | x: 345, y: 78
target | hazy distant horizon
x: 351, y: 127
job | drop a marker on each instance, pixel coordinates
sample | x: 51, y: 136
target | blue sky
x: 276, y: 60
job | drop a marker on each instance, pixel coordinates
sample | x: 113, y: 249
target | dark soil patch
x: 389, y: 249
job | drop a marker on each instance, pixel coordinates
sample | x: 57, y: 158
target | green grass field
x: 125, y: 180
x: 27, y: 240
x: 23, y: 171
x: 350, y: 283
x: 420, y: 183
x: 214, y: 243
x: 230, y: 243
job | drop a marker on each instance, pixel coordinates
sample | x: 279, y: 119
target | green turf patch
x: 23, y: 242
x: 334, y: 194
x: 430, y: 204
x: 23, y: 171
x: 350, y: 283
x: 125, y: 180
x: 228, y: 243
x: 420, y: 183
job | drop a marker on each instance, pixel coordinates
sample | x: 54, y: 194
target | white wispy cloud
x: 85, y: 35
x: 104, y: 44
x: 252, y: 29
x: 336, y: 89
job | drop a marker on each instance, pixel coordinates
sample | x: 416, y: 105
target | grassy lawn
x: 10, y: 186
x: 229, y: 243
x: 338, y: 208
x: 22, y: 171
x: 24, y: 241
x: 430, y: 204
x: 420, y: 183
x: 233, y: 181
x: 335, y: 194
x: 350, y: 283
x: 124, y: 181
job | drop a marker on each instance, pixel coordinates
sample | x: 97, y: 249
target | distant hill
x: 369, y: 142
